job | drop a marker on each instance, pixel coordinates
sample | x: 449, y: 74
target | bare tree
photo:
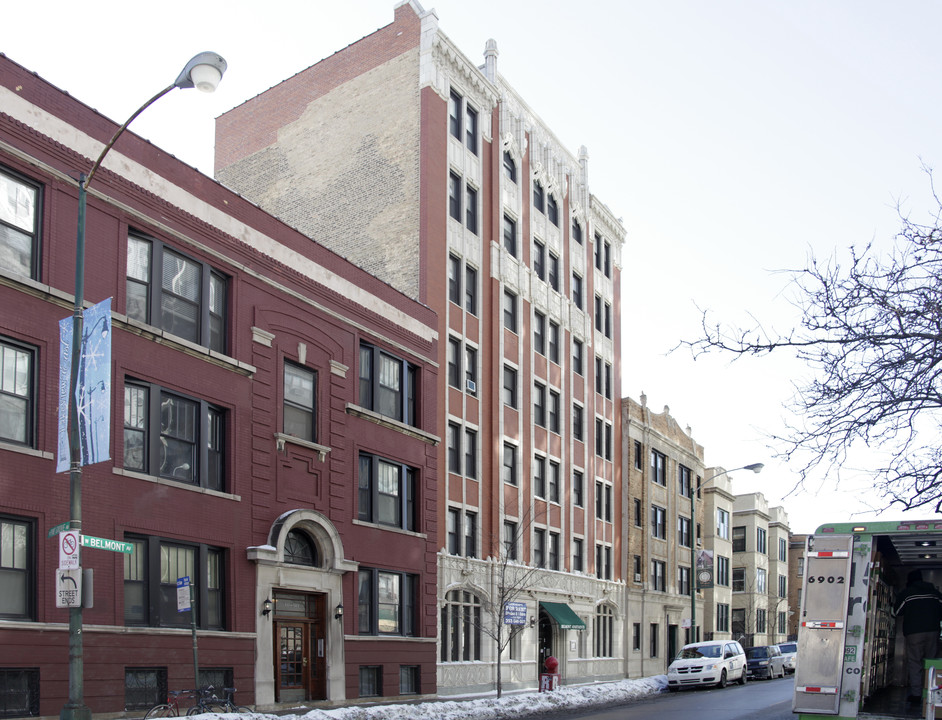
x: 871, y: 331
x: 510, y: 579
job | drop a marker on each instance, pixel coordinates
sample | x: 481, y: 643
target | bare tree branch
x: 871, y: 332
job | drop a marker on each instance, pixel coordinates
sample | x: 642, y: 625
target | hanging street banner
x: 93, y: 391
x: 704, y: 569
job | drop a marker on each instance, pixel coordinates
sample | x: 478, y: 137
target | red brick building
x: 459, y: 195
x: 273, y: 436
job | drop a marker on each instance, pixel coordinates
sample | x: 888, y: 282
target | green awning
x: 563, y: 616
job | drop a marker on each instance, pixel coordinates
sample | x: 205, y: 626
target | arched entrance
x: 545, y: 643
x: 300, y: 643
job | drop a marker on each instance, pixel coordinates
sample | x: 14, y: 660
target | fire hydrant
x: 550, y: 679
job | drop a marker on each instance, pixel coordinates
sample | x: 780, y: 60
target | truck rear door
x: 822, y: 622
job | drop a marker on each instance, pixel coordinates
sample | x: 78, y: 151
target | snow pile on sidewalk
x: 509, y: 706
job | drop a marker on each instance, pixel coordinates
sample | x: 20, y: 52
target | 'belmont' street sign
x: 102, y: 544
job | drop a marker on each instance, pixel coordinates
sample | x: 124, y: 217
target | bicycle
x: 171, y: 708
x: 209, y: 702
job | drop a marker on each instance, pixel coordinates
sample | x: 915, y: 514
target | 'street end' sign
x: 69, y: 588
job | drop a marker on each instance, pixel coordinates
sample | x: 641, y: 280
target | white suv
x: 716, y: 662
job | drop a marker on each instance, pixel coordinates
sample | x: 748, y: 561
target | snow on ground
x: 490, y: 708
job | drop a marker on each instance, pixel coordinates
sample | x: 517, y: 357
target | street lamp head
x: 204, y: 72
x: 755, y: 467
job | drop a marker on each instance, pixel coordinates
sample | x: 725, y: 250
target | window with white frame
x: 17, y: 393
x: 300, y: 402
x: 20, y: 212
x: 17, y: 568
x: 722, y: 523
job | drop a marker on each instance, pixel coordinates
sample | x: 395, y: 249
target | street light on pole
x: 203, y: 71
x: 754, y: 467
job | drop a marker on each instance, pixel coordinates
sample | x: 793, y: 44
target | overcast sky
x: 732, y: 138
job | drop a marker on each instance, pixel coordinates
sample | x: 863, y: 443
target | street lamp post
x: 754, y: 467
x: 204, y: 71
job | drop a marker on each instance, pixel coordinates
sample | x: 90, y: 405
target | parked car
x: 765, y: 661
x: 707, y: 663
x: 790, y: 653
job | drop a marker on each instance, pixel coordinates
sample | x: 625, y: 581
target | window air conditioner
x: 637, y: 577
x: 472, y: 386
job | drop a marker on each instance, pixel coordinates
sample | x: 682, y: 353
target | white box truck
x: 851, y: 658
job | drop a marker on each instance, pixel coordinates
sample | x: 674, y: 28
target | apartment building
x: 273, y: 438
x: 718, y: 542
x: 429, y: 170
x: 662, y: 471
x: 797, y: 544
x: 760, y: 571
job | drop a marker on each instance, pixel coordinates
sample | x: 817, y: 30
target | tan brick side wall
x: 254, y: 125
x: 346, y: 172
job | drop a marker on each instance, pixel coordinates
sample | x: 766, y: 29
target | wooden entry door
x: 301, y: 652
x: 294, y: 657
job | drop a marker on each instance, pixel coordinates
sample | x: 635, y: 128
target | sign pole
x: 75, y: 708
x: 196, y: 662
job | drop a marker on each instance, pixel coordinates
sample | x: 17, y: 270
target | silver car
x: 790, y: 653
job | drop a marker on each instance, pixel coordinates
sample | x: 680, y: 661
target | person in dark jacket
x: 920, y: 604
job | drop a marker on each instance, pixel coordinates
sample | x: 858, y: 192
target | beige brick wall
x: 346, y: 172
